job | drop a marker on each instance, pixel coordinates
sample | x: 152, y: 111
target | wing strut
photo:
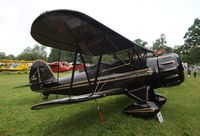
x: 145, y: 55
x: 98, y: 68
x: 83, y: 61
x: 137, y: 55
x: 73, y: 71
x: 58, y: 73
x: 113, y: 44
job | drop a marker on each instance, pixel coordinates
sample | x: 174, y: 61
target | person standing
x: 189, y: 71
x: 195, y: 71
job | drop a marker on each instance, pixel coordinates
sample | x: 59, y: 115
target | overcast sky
x: 144, y: 19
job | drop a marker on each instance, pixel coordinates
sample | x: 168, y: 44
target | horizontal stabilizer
x: 44, y: 84
x: 69, y: 100
x: 21, y: 86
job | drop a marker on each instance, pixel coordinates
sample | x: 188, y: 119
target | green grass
x: 181, y: 113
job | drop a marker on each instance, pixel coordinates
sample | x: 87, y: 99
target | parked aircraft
x: 59, y: 66
x: 131, y: 69
x: 14, y: 65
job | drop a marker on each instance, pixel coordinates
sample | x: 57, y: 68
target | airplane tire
x: 160, y: 100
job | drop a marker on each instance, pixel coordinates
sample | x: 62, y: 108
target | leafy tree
x: 161, y: 43
x: 168, y: 49
x: 140, y: 42
x: 3, y: 55
x: 190, y: 56
x: 11, y: 57
x: 26, y: 54
x: 87, y: 58
x: 37, y: 52
x: 191, y: 47
x: 40, y: 52
x: 178, y: 49
x: 192, y: 36
x: 53, y: 56
x: 66, y: 56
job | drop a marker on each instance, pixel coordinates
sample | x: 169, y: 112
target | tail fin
x: 40, y: 74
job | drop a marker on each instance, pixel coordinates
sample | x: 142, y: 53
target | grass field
x: 181, y: 113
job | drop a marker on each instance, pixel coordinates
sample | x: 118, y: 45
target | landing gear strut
x: 148, y: 102
x: 142, y: 109
x: 45, y: 96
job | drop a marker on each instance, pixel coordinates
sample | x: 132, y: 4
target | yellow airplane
x: 14, y: 65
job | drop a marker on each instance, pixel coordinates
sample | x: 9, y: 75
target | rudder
x: 39, y: 75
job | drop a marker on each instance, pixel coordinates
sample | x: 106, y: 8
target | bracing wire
x: 86, y: 50
x: 97, y: 86
x: 113, y: 44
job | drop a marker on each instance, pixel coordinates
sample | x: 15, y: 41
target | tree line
x: 189, y: 51
x: 37, y: 52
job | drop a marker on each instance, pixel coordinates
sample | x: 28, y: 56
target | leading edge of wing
x: 71, y: 30
x: 57, y: 102
x: 77, y: 99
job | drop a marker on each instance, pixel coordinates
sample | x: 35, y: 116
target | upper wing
x: 71, y: 30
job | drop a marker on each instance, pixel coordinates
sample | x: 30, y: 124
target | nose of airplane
x: 171, y: 69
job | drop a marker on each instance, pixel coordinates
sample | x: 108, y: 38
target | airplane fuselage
x: 156, y: 72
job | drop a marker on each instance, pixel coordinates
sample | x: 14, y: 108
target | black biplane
x: 131, y: 70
